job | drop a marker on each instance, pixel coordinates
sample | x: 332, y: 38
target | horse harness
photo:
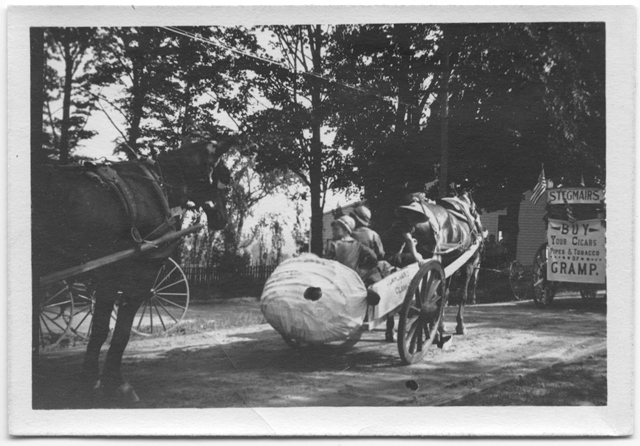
x: 462, y: 212
x: 109, y: 177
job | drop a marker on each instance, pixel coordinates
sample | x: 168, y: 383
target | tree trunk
x: 138, y: 92
x: 37, y: 101
x: 444, y: 117
x: 66, y: 106
x: 315, y: 168
x: 187, y: 120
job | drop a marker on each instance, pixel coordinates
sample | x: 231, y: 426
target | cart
x: 318, y: 301
x: 574, y: 255
x: 67, y: 302
x: 513, y: 272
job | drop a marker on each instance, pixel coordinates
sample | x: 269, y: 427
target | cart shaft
x: 118, y: 256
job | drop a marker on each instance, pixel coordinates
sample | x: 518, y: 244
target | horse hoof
x: 461, y: 330
x: 445, y: 342
x: 389, y: 338
x: 123, y: 393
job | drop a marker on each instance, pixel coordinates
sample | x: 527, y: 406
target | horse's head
x: 196, y: 173
x: 215, y: 199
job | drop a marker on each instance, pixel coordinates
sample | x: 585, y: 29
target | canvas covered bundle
x: 334, y: 316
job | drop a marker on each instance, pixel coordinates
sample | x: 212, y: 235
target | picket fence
x: 248, y: 275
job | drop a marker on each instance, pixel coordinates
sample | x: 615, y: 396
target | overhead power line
x: 281, y: 65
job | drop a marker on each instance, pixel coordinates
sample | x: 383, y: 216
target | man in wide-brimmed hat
x: 412, y: 214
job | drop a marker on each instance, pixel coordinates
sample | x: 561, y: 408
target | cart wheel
x: 56, y: 313
x: 164, y: 309
x: 422, y: 312
x: 84, y: 301
x: 544, y: 290
x: 518, y: 280
x: 588, y: 292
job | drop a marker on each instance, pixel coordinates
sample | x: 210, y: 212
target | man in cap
x: 348, y: 251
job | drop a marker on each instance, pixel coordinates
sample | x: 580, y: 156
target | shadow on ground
x: 253, y: 367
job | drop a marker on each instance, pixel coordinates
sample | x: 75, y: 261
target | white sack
x: 338, y: 314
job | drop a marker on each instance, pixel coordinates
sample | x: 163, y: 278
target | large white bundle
x: 337, y: 315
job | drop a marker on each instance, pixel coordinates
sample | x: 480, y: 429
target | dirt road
x: 507, y: 344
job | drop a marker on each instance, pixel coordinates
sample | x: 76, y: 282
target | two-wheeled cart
x: 310, y: 300
x: 67, y: 302
x: 574, y: 255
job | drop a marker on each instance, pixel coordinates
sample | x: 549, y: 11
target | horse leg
x: 112, y: 380
x: 460, y: 328
x: 99, y: 333
x: 474, y: 283
x: 388, y: 336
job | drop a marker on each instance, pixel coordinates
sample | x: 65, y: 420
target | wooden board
x: 392, y: 288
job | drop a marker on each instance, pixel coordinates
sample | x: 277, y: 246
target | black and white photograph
x: 391, y: 221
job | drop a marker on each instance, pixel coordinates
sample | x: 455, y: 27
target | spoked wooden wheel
x: 422, y: 312
x: 518, y: 280
x: 544, y: 290
x: 56, y: 310
x: 589, y: 292
x: 167, y: 303
x: 84, y: 301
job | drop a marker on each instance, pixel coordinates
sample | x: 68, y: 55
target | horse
x: 89, y: 211
x: 442, y: 230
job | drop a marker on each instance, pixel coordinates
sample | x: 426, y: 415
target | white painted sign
x: 575, y: 195
x: 392, y: 290
x: 576, y: 251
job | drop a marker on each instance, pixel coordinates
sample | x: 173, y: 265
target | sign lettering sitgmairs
x: 576, y: 251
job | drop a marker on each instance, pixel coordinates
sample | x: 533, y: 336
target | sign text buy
x: 576, y: 251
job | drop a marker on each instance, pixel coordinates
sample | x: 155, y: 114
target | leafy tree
x: 292, y: 131
x: 523, y: 95
x: 66, y: 51
x: 248, y: 188
x: 206, y: 81
x: 134, y: 60
x: 502, y: 99
x: 383, y: 114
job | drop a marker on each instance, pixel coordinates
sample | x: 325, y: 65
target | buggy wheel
x: 56, y: 313
x: 518, y: 280
x: 84, y: 302
x: 167, y: 303
x: 589, y: 292
x: 422, y: 312
x: 543, y: 289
